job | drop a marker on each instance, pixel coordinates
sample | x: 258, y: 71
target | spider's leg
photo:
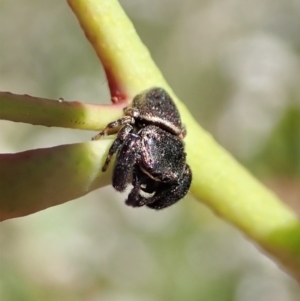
x: 121, y: 137
x: 133, y: 112
x: 169, y: 193
x: 114, y: 126
x: 125, y: 161
x: 133, y: 197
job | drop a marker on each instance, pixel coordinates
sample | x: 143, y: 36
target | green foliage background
x: 236, y: 63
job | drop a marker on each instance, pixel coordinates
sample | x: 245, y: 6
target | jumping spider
x: 150, y: 151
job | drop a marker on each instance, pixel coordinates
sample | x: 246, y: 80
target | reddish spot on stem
x: 118, y: 95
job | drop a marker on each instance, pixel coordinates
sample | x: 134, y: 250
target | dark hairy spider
x: 150, y: 151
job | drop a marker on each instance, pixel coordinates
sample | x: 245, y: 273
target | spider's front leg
x: 113, y: 127
x: 121, y: 137
x: 127, y: 157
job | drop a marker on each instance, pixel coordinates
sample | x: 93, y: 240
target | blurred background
x: 236, y: 65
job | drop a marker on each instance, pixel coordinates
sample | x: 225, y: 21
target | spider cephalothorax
x: 150, y: 151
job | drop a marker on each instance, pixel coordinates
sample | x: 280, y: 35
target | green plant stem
x: 41, y: 178
x: 60, y: 113
x: 218, y: 179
